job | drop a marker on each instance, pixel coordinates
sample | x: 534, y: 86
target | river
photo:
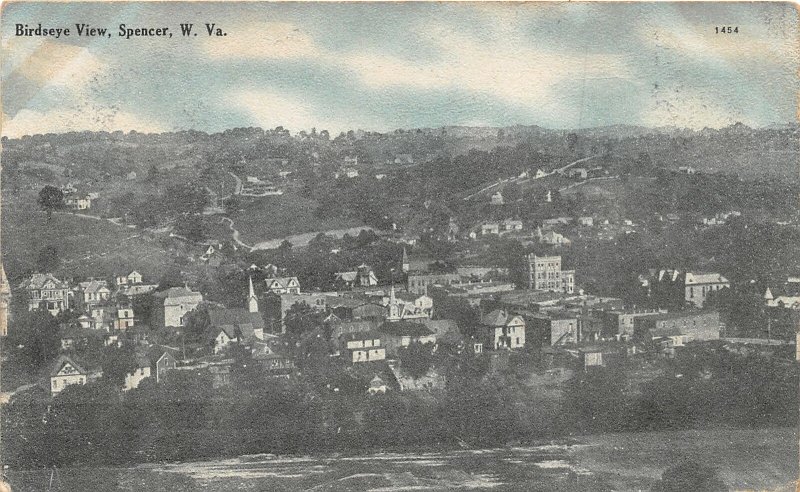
x: 745, y: 460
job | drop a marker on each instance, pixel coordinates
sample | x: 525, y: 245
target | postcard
x: 367, y: 246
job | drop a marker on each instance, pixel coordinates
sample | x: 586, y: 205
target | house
x: 236, y: 325
x: 398, y: 334
x: 678, y: 327
x: 501, y: 329
x: 272, y: 360
x: 363, y: 276
x: 586, y: 221
x: 545, y: 273
x: 346, y: 172
x: 404, y: 159
x: 578, y: 173
x: 66, y: 372
x: 376, y: 385
x: 131, y: 290
x: 680, y: 288
x: 124, y: 318
x: 621, y: 322
x: 497, y: 198
x: 131, y: 176
x: 283, y: 285
x: 490, y: 228
x: 132, y: 278
x: 687, y: 170
x: 364, y: 346
x: 172, y: 305
x: 552, y: 238
x: 139, y: 373
x: 78, y: 201
x: 161, y: 361
x: 48, y: 293
x: 557, y: 328
x: 93, y: 292
x: 407, y: 306
x: 510, y: 225
x: 785, y: 296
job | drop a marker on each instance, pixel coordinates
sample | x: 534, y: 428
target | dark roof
x: 229, y: 320
x: 361, y: 335
x: 404, y: 328
x: 65, y: 359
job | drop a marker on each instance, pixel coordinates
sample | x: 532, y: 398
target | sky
x: 383, y: 66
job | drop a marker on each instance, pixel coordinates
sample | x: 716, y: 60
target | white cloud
x: 505, y: 68
x: 269, y: 109
x: 53, y: 64
x: 30, y: 122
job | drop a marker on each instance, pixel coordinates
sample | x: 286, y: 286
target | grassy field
x: 86, y: 246
x: 273, y: 217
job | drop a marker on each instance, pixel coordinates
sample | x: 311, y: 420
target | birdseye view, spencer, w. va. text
x: 399, y: 246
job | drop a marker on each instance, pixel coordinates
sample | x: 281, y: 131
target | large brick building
x: 545, y: 273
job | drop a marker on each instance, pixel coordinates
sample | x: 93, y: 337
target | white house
x: 66, y: 372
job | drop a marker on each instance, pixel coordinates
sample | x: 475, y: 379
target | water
x: 744, y: 459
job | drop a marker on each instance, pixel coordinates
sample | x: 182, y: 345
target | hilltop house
x: 501, y: 329
x: 78, y: 201
x: 48, y: 293
x: 497, y: 198
x: 552, y: 238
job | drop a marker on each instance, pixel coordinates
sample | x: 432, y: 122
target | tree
x: 690, y: 475
x: 416, y: 359
x: 50, y: 199
x: 118, y: 363
x: 191, y: 227
x: 35, y: 338
x: 47, y: 260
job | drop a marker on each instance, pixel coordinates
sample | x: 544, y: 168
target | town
x: 572, y: 286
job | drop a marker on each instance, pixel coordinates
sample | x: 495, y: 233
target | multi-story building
x: 545, y: 273
x: 173, y: 304
x: 672, y: 287
x: 93, y: 292
x: 48, y: 293
x: 503, y: 330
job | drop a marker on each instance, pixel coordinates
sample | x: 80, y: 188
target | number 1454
x: 726, y: 30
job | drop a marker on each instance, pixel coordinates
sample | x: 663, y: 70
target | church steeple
x: 252, y: 300
x: 405, y: 265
